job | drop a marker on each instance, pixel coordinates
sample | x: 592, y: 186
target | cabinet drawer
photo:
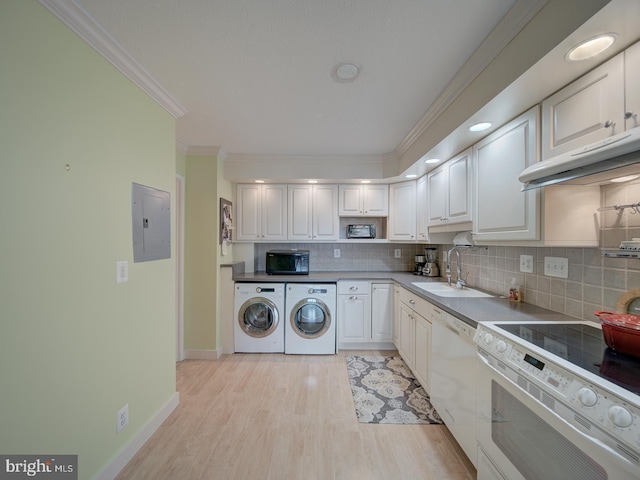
x: 353, y: 288
x: 420, y: 305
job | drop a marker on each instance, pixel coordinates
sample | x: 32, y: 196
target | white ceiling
x: 253, y: 78
x: 255, y: 75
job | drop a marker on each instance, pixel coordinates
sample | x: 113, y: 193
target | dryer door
x: 310, y: 318
x: 258, y: 317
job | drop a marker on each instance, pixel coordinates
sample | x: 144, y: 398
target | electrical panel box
x: 151, y: 217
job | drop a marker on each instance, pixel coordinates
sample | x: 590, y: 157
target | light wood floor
x: 286, y: 417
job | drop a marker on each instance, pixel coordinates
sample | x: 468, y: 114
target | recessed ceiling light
x: 478, y: 127
x: 432, y: 160
x: 590, y: 47
x: 259, y: 181
x: 626, y: 178
x: 345, y: 72
x: 411, y: 175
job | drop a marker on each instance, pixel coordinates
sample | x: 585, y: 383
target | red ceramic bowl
x: 621, y: 332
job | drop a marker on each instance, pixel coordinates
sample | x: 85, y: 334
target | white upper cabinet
x: 402, y: 211
x: 632, y: 91
x: 450, y: 190
x: 585, y: 111
x: 313, y: 212
x: 502, y: 210
x: 364, y: 200
x: 422, y: 210
x: 261, y: 212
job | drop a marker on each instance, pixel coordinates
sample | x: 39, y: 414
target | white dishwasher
x: 453, y: 379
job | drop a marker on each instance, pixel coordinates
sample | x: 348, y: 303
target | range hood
x: 617, y: 156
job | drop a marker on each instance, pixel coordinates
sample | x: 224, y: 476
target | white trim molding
x: 202, y: 354
x: 519, y: 15
x: 113, y: 468
x: 80, y: 22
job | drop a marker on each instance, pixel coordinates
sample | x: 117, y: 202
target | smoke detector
x: 345, y: 72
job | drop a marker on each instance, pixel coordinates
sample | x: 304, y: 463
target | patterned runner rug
x: 385, y: 391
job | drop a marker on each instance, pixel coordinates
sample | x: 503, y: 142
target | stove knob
x: 488, y: 339
x: 501, y: 346
x: 620, y: 416
x: 587, y: 397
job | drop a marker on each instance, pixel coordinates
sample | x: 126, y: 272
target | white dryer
x: 310, y: 326
x: 258, y: 325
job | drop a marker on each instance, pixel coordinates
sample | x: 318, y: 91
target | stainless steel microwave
x: 287, y: 262
x: 361, y: 231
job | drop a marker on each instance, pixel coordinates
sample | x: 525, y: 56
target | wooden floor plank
x: 286, y: 417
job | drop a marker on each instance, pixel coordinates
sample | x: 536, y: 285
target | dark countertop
x: 470, y: 310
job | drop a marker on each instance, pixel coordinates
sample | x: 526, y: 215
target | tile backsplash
x: 594, y: 282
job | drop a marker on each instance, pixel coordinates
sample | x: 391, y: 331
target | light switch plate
x: 336, y: 253
x: 122, y: 271
x: 526, y: 263
x: 556, y: 267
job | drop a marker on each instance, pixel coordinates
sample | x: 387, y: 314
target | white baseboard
x: 117, y: 464
x: 366, y: 346
x: 202, y: 354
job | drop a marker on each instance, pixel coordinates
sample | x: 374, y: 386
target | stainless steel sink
x: 445, y: 290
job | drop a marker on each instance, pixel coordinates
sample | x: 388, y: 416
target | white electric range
x: 555, y: 402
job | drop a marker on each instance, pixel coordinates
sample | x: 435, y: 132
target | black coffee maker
x: 420, y: 263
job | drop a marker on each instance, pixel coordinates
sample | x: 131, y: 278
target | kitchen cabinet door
x: 407, y: 325
x: 585, y: 111
x: 502, y: 210
x: 422, y: 351
x: 376, y: 200
x: 632, y: 91
x: 354, y: 314
x: 300, y: 226
x: 450, y: 190
x: 313, y: 212
x: 261, y: 212
x: 325, y: 212
x: 382, y: 312
x: 402, y: 211
x: 363, y: 200
x: 422, y: 210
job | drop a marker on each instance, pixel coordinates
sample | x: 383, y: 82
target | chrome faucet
x: 460, y: 282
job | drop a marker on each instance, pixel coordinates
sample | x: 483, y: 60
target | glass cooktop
x: 584, y: 346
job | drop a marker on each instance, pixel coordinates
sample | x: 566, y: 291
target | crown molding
x: 81, y: 23
x: 182, y: 146
x: 517, y: 17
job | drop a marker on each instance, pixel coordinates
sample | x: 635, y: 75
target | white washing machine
x: 258, y: 325
x: 310, y: 325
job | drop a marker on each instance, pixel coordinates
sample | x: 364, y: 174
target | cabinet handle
x: 411, y: 301
x: 608, y: 124
x: 628, y: 115
x: 353, y: 287
x: 353, y: 297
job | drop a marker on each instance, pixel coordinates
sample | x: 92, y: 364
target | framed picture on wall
x: 226, y: 221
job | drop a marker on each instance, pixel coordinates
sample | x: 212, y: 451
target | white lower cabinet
x: 365, y: 315
x: 422, y: 348
x: 413, y: 339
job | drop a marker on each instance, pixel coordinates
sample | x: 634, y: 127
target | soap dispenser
x: 515, y: 292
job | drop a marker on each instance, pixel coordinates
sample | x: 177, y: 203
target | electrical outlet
x: 336, y: 253
x: 397, y: 253
x: 556, y: 267
x: 526, y: 263
x: 123, y: 418
x: 122, y: 271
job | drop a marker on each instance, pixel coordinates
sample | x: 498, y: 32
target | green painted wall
x: 201, y: 254
x: 74, y: 345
